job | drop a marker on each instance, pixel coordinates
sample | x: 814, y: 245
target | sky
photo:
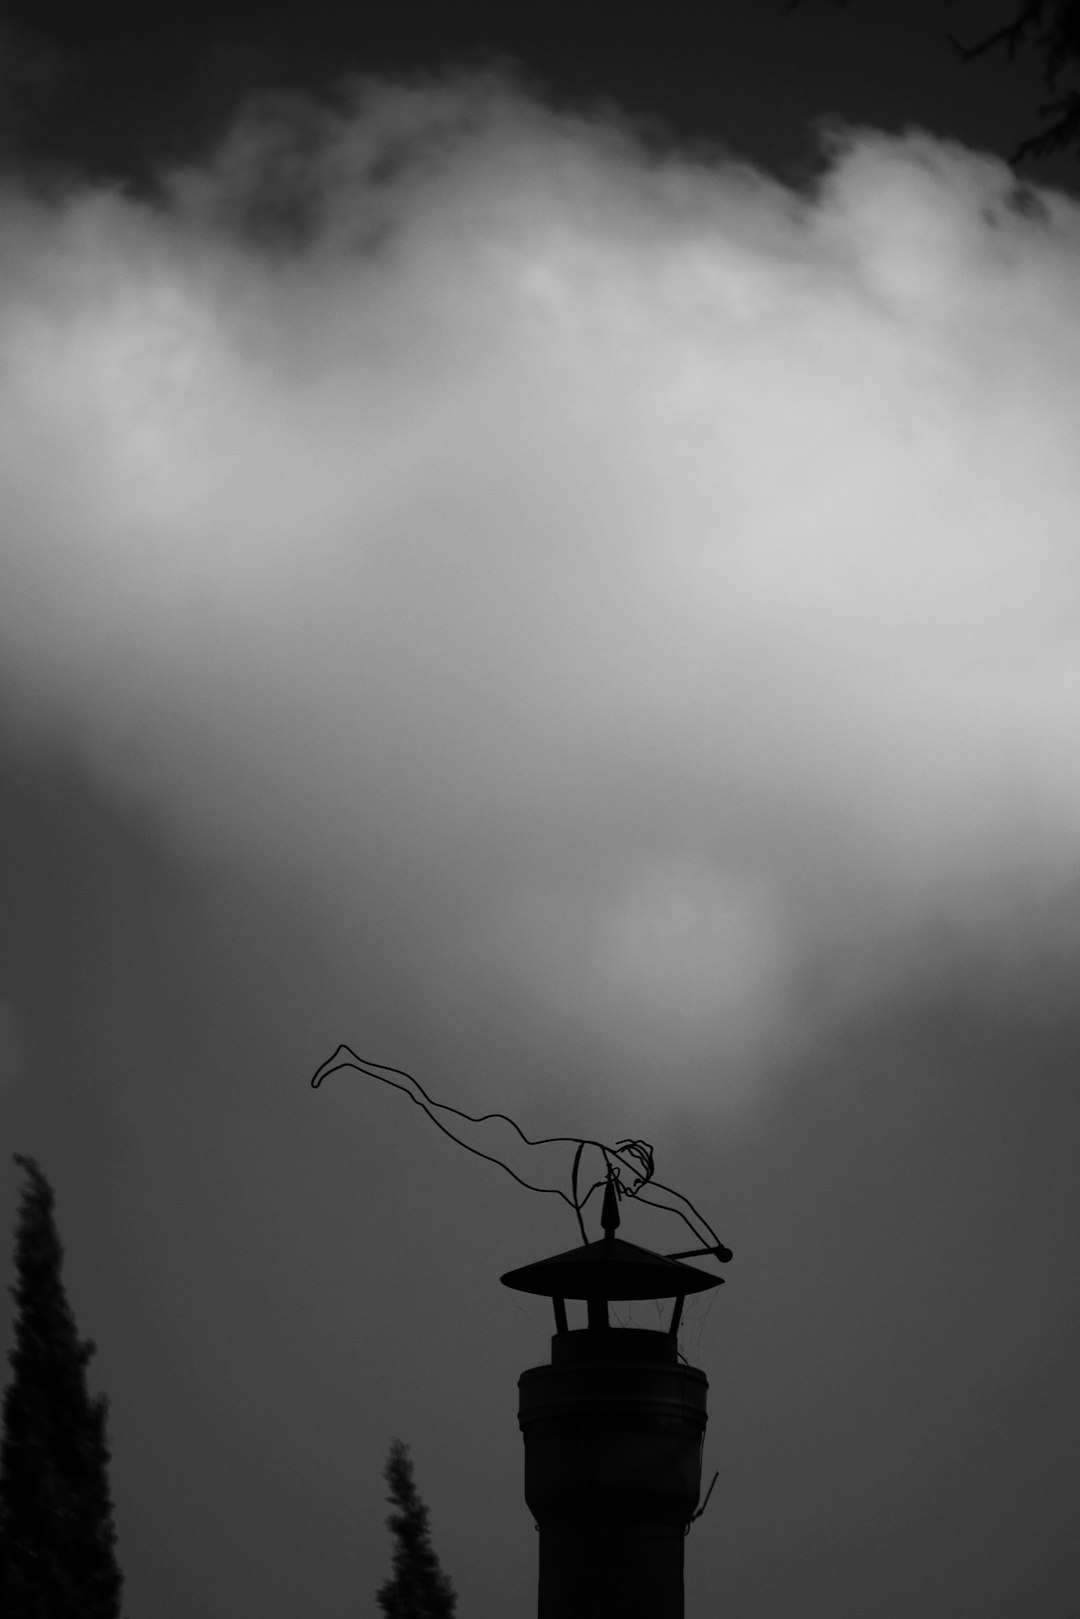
x: 548, y: 552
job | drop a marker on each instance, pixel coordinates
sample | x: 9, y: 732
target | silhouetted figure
x: 57, y: 1542
x: 627, y: 1167
x: 418, y: 1588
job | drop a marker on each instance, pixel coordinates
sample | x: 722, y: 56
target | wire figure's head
x: 636, y: 1158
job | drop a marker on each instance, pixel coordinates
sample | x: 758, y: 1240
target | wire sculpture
x: 629, y: 1165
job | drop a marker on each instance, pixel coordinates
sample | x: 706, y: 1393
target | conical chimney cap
x: 609, y: 1269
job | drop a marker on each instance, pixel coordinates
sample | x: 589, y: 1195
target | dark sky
x: 520, y: 553
x: 123, y: 88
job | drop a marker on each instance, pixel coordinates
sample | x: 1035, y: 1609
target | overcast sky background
x: 545, y: 547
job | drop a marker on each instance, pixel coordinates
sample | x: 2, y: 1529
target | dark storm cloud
x: 639, y: 590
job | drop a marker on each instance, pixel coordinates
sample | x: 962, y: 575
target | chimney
x: 613, y: 1430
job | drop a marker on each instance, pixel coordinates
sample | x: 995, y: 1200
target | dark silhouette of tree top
x: 57, y: 1542
x: 418, y: 1588
x: 1052, y: 28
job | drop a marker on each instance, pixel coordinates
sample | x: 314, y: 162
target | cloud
x: 635, y: 590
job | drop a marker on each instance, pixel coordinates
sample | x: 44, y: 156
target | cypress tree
x: 418, y: 1588
x: 57, y: 1542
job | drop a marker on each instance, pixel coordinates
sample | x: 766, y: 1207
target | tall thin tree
x: 57, y: 1542
x: 418, y: 1588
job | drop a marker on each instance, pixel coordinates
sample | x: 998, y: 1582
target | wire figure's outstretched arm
x: 628, y: 1165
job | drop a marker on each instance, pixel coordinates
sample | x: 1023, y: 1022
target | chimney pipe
x: 613, y: 1430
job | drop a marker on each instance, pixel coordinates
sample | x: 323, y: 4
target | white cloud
x: 666, y: 584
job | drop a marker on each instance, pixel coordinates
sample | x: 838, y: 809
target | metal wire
x: 704, y: 1504
x: 629, y: 1165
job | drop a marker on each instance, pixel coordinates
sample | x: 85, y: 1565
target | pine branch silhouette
x: 57, y: 1541
x: 418, y: 1588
